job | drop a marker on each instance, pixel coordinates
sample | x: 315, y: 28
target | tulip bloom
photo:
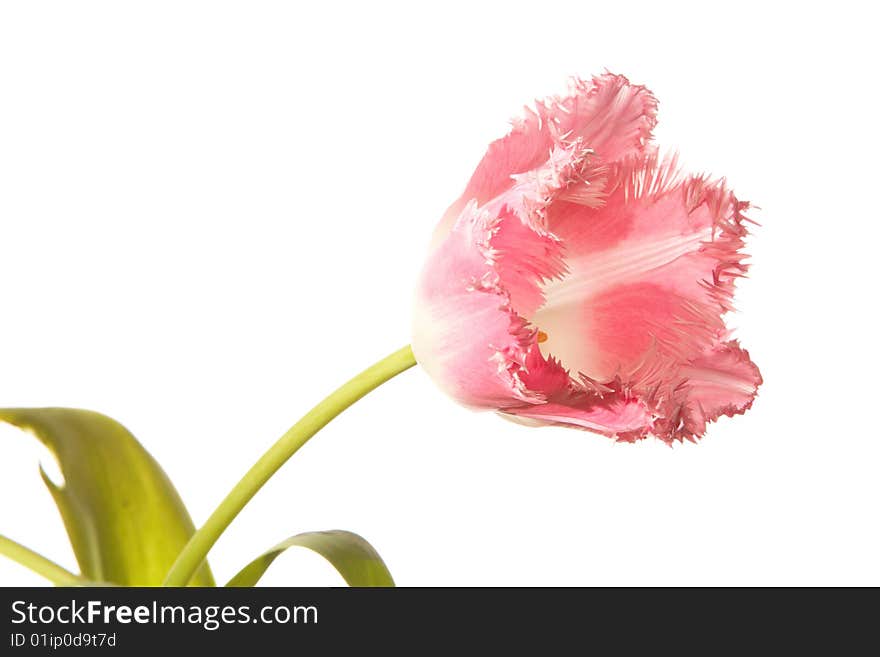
x: 581, y: 279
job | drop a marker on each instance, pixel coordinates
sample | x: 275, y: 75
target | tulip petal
x: 651, y: 273
x: 466, y: 334
x: 613, y: 118
x: 608, y: 115
x: 626, y: 420
x: 723, y: 381
x: 585, y: 404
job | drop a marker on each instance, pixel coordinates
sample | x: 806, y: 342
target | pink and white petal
x: 580, y: 404
x: 723, y: 381
x: 650, y: 274
x: 608, y: 115
x: 621, y: 418
x: 613, y: 117
x: 524, y: 258
x: 466, y: 334
x: 546, y: 377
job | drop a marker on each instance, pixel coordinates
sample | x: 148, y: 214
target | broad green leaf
x: 125, y: 520
x: 355, y: 559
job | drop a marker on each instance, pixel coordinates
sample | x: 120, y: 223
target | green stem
x: 194, y: 553
x: 38, y: 563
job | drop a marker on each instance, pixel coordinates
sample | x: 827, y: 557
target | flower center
x: 562, y: 334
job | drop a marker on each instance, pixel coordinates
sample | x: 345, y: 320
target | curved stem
x: 38, y: 563
x: 203, y: 540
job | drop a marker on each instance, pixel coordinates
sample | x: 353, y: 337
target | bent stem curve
x: 37, y: 563
x: 316, y: 419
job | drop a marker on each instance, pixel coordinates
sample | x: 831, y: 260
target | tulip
x: 581, y: 279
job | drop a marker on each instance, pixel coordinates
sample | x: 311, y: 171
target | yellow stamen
x: 542, y: 337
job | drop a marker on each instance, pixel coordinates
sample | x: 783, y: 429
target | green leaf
x: 125, y: 520
x: 355, y: 559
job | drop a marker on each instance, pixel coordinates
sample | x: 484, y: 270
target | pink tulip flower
x: 582, y: 278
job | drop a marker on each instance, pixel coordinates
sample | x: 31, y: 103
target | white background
x: 214, y: 213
